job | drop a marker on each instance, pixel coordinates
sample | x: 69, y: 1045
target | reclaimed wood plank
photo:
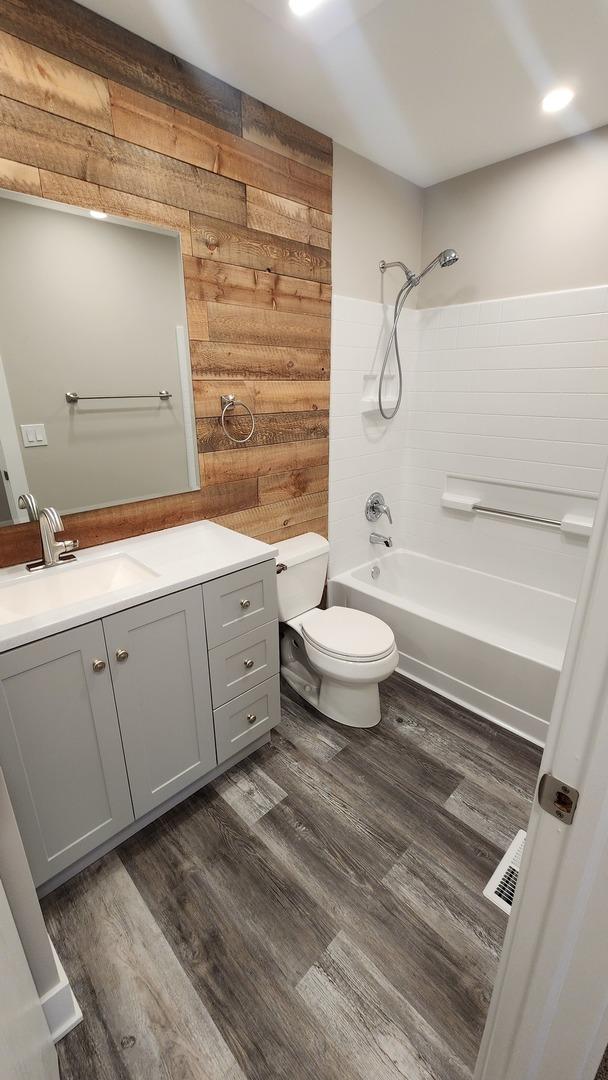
x: 68, y: 189
x: 171, y: 131
x: 261, y: 520
x: 284, y: 217
x: 258, y: 326
x: 16, y: 176
x: 269, y: 429
x: 231, y: 465
x: 288, y: 485
x: 51, y: 142
x: 226, y: 283
x: 264, y: 397
x: 231, y: 242
x: 38, y: 78
x: 221, y: 360
x: 267, y: 127
x: 316, y: 525
x: 77, y: 34
x: 198, y: 323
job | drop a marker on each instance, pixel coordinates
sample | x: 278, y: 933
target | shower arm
x: 409, y: 274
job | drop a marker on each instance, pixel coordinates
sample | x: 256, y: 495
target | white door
x: 26, y: 1048
x: 549, y: 1013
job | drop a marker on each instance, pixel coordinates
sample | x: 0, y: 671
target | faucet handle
x: 376, y: 506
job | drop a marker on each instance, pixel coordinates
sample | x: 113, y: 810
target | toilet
x: 335, y: 657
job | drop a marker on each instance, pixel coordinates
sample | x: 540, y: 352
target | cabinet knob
x: 245, y: 604
x: 251, y: 718
x: 122, y: 655
x: 99, y: 665
x: 249, y: 663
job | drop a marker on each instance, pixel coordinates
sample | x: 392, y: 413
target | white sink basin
x: 43, y: 590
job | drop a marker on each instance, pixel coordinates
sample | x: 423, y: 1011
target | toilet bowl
x: 334, y: 657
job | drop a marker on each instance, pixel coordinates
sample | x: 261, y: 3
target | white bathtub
x: 493, y: 645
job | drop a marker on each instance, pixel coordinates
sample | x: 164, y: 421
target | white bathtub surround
x: 493, y: 645
x: 512, y: 390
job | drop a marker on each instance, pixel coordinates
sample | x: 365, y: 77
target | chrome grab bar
x: 551, y: 522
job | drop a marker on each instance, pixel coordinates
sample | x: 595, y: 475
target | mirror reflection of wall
x: 96, y: 307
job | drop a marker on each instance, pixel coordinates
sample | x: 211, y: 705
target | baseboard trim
x: 62, y: 1011
x: 529, y: 727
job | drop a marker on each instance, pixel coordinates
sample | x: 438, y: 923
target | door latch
x: 558, y: 799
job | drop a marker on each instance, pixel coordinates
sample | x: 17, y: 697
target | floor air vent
x: 501, y: 886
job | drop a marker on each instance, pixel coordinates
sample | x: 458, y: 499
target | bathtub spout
x: 378, y: 538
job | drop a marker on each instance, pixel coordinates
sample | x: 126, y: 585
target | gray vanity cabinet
x: 158, y: 657
x: 61, y: 749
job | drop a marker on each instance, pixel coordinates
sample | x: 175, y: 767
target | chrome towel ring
x: 229, y: 401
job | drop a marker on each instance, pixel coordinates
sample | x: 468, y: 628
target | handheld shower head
x: 448, y: 257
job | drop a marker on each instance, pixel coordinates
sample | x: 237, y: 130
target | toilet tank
x: 301, y: 585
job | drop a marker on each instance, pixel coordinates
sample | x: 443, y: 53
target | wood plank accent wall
x: 95, y: 116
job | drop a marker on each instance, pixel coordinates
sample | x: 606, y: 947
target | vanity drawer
x: 238, y: 602
x: 240, y: 664
x: 243, y: 720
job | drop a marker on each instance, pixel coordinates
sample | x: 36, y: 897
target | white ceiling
x: 427, y: 88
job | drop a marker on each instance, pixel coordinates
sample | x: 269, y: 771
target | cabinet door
x: 162, y: 694
x: 60, y: 748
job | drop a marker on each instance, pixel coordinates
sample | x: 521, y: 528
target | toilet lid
x: 348, y: 634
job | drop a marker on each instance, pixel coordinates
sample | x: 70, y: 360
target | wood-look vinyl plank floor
x: 315, y: 913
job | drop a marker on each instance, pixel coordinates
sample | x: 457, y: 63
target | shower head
x: 448, y: 257
x: 445, y: 258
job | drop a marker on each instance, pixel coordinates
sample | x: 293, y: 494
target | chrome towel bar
x: 73, y: 398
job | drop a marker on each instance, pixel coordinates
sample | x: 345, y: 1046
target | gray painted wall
x: 376, y: 215
x: 534, y: 223
x: 92, y: 306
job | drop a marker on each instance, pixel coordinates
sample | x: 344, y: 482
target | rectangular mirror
x: 96, y: 401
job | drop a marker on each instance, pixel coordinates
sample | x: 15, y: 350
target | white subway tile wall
x: 511, y: 390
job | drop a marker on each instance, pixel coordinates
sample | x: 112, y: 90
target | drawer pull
x: 122, y: 655
x: 249, y: 663
x: 251, y: 718
x: 99, y: 665
x: 245, y: 604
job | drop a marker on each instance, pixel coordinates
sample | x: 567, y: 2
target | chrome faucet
x: 376, y: 506
x: 378, y: 538
x: 54, y: 551
x: 28, y: 502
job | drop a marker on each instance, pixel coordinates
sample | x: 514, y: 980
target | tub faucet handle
x: 376, y: 506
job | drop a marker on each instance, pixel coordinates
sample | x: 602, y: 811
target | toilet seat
x: 348, y: 634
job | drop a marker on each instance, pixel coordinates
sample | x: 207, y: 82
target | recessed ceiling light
x: 100, y: 214
x: 557, y: 99
x: 304, y: 7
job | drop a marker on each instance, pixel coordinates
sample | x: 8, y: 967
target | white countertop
x: 179, y: 557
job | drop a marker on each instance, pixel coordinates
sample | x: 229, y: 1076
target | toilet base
x: 353, y: 706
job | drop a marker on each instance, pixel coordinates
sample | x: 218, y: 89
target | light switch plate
x: 33, y: 435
